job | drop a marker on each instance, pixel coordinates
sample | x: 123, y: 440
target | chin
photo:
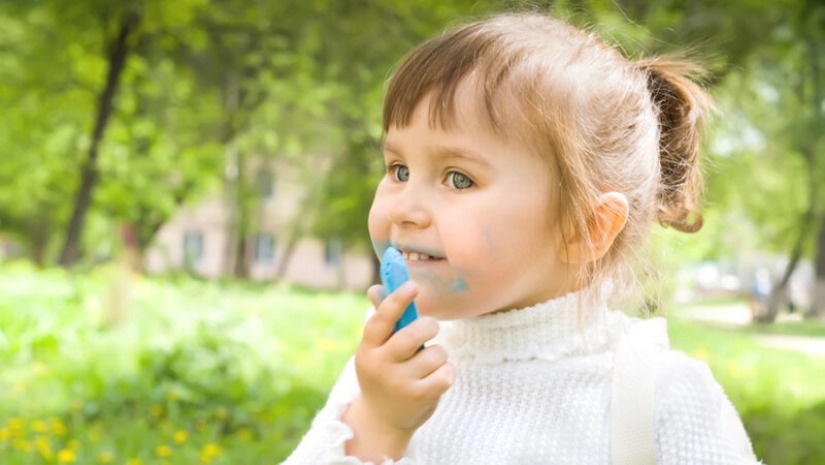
x: 445, y: 311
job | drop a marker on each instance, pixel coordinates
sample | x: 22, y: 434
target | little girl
x: 526, y: 161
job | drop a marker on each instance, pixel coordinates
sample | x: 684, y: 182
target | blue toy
x: 394, y: 273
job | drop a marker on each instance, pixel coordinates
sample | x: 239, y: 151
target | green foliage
x: 210, y: 84
x: 235, y: 370
x: 187, y: 371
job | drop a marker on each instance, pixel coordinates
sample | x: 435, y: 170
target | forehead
x: 468, y: 107
x: 467, y: 130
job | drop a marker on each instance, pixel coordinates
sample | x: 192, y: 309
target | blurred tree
x: 42, y: 129
x: 769, y: 146
x: 162, y: 103
x: 118, y: 24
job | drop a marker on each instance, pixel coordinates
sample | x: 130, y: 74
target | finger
x: 405, y: 343
x: 436, y: 383
x: 376, y: 294
x: 380, y: 326
x: 426, y: 361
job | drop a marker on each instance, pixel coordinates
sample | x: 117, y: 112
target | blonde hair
x: 604, y: 123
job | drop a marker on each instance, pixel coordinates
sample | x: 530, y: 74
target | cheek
x: 476, y: 249
x: 378, y: 221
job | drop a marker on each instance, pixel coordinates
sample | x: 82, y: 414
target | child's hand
x: 400, y: 385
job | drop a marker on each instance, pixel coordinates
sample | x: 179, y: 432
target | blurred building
x: 198, y: 239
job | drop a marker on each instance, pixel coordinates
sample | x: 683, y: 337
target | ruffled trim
x: 576, y: 323
x: 339, y: 433
x: 336, y: 433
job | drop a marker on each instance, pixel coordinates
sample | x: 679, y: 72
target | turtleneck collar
x: 567, y: 325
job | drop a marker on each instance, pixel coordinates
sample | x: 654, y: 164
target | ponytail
x: 680, y: 104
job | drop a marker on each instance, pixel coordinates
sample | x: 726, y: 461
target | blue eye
x: 402, y: 173
x: 460, y: 181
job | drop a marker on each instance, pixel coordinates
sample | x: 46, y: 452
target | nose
x: 410, y: 209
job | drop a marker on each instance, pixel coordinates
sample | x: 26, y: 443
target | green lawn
x: 780, y: 394
x: 189, y: 372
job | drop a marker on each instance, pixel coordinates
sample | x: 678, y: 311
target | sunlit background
x: 183, y: 197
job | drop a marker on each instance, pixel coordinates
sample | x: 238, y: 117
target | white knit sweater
x: 532, y: 386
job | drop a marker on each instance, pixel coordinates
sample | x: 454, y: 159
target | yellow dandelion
x: 106, y: 457
x: 17, y: 425
x: 66, y: 456
x: 58, y: 427
x: 5, y: 433
x: 39, y: 426
x: 134, y: 461
x: 163, y: 450
x: 180, y: 436
x: 209, y: 452
x: 44, y: 446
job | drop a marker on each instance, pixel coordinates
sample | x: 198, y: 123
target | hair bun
x: 680, y: 104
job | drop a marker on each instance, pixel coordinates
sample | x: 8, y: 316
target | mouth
x: 417, y: 256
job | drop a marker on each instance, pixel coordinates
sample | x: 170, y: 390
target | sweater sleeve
x: 695, y: 421
x: 323, y: 444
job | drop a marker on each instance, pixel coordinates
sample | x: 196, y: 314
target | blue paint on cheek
x: 460, y: 285
x: 488, y: 237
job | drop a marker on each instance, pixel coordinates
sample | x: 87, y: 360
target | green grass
x: 810, y: 328
x: 188, y: 371
x: 778, y: 393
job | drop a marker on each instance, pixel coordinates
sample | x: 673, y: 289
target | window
x: 332, y: 252
x: 264, y: 249
x: 192, y: 247
x: 265, y: 184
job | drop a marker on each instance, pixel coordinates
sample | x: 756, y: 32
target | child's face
x: 475, y: 212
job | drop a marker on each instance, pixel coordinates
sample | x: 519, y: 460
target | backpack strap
x: 632, y: 416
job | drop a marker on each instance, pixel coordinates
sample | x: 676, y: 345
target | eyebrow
x: 447, y: 152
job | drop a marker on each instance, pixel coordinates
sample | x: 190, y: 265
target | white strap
x: 632, y: 421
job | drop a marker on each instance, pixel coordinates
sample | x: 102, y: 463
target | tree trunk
x: 286, y: 257
x: 779, y: 291
x: 243, y: 257
x: 40, y: 232
x: 89, y: 174
x: 817, y: 309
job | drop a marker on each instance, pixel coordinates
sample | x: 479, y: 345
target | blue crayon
x: 393, y: 274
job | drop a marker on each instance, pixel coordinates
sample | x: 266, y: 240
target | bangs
x: 438, y: 68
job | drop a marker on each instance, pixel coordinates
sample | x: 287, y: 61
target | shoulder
x: 694, y: 418
x: 681, y: 379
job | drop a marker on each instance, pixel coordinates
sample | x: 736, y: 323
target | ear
x: 609, y: 220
